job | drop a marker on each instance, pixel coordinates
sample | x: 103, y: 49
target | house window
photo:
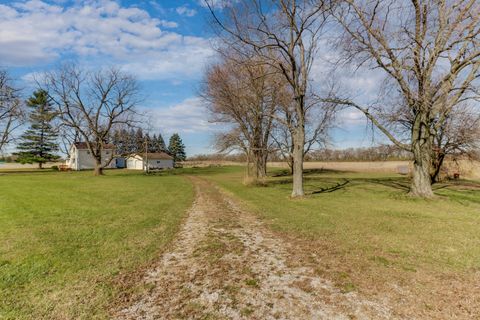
x: 158, y: 161
x: 107, y: 152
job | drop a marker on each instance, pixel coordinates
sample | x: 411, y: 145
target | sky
x: 166, y: 44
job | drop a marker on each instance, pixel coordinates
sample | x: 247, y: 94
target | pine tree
x: 160, y: 143
x: 152, y: 144
x: 139, y: 139
x: 39, y: 142
x: 176, y: 148
x: 131, y: 142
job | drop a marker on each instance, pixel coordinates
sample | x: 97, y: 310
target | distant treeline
x: 377, y: 153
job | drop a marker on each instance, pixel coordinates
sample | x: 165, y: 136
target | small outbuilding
x: 155, y: 161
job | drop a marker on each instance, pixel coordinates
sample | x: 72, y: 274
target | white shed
x: 157, y: 160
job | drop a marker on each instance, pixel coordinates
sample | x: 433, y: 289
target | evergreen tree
x: 139, y: 139
x: 152, y: 144
x: 131, y: 142
x: 176, y: 148
x: 160, y: 143
x: 39, y: 142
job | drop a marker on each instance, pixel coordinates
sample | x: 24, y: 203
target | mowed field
x: 71, y: 243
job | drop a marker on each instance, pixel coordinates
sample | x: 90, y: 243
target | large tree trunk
x: 98, y: 168
x: 259, y: 164
x: 40, y: 165
x: 298, y: 149
x: 422, y: 160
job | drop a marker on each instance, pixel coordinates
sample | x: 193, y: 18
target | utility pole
x: 146, y: 155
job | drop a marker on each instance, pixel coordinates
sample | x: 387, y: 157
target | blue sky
x: 165, y: 43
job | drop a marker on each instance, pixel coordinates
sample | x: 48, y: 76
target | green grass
x: 370, y: 216
x: 66, y: 238
x: 69, y: 240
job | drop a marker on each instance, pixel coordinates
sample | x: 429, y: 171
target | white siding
x: 160, y: 164
x: 82, y: 159
x: 137, y: 163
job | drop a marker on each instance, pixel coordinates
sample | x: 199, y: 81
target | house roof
x: 156, y: 156
x: 83, y: 146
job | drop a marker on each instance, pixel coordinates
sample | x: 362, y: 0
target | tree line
x: 263, y: 86
x: 76, y: 105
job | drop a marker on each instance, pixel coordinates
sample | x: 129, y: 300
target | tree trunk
x: 298, y: 149
x: 290, y: 162
x: 40, y: 165
x: 259, y: 164
x: 422, y: 160
x: 436, y: 167
x: 98, y: 168
x: 264, y: 163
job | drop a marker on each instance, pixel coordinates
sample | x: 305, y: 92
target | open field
x: 467, y: 168
x: 77, y: 246
x: 67, y: 239
x: 18, y: 166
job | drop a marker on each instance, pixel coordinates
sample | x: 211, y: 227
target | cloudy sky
x: 165, y: 43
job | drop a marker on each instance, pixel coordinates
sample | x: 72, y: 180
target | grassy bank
x: 67, y: 237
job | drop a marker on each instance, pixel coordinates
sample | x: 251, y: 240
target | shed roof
x: 155, y: 156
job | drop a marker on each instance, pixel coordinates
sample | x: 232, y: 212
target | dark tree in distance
x: 177, y: 148
x: 39, y: 143
x: 160, y: 143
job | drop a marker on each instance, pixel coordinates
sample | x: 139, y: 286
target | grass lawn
x: 66, y: 238
x: 363, y: 233
x: 370, y: 216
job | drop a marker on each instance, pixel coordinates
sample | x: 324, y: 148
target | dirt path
x: 225, y: 264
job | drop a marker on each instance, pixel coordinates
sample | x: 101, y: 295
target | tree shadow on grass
x: 306, y: 172
x: 336, y: 187
x: 403, y: 185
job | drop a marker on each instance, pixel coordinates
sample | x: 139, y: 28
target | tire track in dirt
x: 225, y: 264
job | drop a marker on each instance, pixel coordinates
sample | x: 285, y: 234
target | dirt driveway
x: 225, y: 264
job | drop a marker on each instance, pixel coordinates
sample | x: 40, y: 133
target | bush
x: 54, y: 168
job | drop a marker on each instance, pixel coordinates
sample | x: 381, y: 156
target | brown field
x: 17, y: 166
x: 467, y: 168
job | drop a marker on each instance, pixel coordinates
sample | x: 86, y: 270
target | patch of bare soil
x: 225, y: 264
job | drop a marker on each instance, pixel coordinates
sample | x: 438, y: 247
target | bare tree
x: 93, y: 105
x: 429, y: 51
x: 459, y: 136
x: 285, y: 34
x: 319, y: 121
x: 242, y: 93
x: 11, y: 112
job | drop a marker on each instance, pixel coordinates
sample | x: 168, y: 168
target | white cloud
x: 36, y: 32
x: 352, y: 117
x: 217, y: 4
x: 184, y: 57
x: 188, y: 116
x: 168, y: 24
x: 186, y: 11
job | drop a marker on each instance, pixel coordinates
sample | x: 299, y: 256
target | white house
x: 157, y: 160
x: 81, y: 159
